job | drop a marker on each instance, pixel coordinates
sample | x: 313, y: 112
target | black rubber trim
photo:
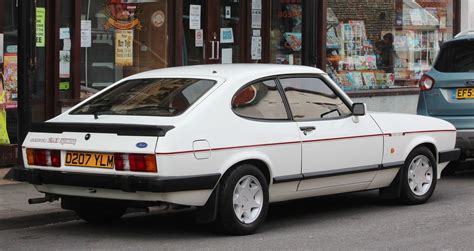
x: 118, y: 182
x: 288, y: 178
x: 450, y: 155
x: 119, y: 129
x: 325, y: 174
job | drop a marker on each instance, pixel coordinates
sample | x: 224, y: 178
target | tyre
x: 419, y: 176
x: 243, y: 201
x: 100, y: 213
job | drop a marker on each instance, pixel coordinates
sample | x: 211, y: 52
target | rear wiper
x: 156, y: 107
x: 97, y: 113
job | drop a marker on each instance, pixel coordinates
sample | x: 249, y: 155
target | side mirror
x: 359, y: 109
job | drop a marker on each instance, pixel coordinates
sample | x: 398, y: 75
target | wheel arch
x: 427, y: 141
x: 258, y: 163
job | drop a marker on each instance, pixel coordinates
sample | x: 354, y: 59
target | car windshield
x: 148, y: 97
x: 456, y: 57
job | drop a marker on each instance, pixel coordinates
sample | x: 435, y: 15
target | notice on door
x: 227, y: 56
x: 124, y: 47
x: 64, y: 64
x: 256, y: 48
x: 86, y: 33
x: 199, y: 38
x: 194, y: 17
x: 256, y: 19
x: 227, y: 36
x: 40, y: 27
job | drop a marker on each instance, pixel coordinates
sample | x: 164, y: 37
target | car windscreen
x: 148, y: 97
x: 456, y: 57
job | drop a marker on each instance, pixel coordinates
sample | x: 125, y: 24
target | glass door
x: 212, y: 31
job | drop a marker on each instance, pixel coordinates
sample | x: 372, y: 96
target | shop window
x: 286, y: 32
x: 385, y: 44
x: 122, y: 38
x: 312, y: 99
x: 261, y: 100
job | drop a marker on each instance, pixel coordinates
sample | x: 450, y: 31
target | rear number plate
x: 99, y: 160
x: 464, y: 93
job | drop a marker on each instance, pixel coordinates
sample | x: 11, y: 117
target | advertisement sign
x: 121, y: 15
x: 10, y: 80
x: 40, y: 27
x: 124, y: 47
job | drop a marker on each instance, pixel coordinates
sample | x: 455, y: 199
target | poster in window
x: 256, y: 19
x: 122, y: 15
x: 124, y: 47
x: 227, y: 36
x: 293, y: 40
x: 86, y: 33
x: 40, y: 27
x: 194, y: 17
x: 256, y: 48
x: 64, y: 64
x: 10, y: 80
x: 257, y: 4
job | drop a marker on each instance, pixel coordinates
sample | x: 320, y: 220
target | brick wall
x: 378, y: 15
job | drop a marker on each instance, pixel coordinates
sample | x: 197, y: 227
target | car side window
x: 260, y: 100
x: 312, y: 99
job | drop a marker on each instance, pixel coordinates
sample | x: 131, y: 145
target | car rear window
x: 148, y: 97
x: 456, y: 57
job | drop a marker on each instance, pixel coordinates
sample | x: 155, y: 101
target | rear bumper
x: 449, y: 155
x: 118, y: 182
x: 465, y: 141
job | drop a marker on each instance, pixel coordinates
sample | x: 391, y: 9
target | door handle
x: 307, y: 129
x: 215, y: 50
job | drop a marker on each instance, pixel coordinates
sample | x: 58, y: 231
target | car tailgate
x: 93, y: 138
x: 442, y: 99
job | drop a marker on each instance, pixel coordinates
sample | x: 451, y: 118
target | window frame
x: 336, y: 91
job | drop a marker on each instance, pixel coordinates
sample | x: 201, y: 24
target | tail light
x: 42, y: 157
x: 135, y: 162
x: 426, y: 83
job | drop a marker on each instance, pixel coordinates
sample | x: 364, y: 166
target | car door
x: 334, y: 143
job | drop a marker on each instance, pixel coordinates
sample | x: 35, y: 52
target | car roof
x: 225, y: 71
x: 467, y: 34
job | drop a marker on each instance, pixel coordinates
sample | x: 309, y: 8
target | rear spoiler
x: 119, y: 129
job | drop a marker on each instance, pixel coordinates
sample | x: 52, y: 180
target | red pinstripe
x: 298, y: 142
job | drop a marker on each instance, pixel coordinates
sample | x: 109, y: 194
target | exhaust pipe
x: 46, y: 198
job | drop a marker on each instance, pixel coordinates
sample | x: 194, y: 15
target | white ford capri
x: 228, y: 140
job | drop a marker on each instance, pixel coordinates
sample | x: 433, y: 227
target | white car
x: 229, y: 140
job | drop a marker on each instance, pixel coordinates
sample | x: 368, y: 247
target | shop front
x: 375, y: 50
x: 84, y: 46
x: 378, y: 50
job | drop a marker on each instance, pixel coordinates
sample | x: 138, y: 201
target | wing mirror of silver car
x: 359, y: 109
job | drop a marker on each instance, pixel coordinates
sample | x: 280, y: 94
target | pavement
x: 3, y: 177
x: 15, y: 210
